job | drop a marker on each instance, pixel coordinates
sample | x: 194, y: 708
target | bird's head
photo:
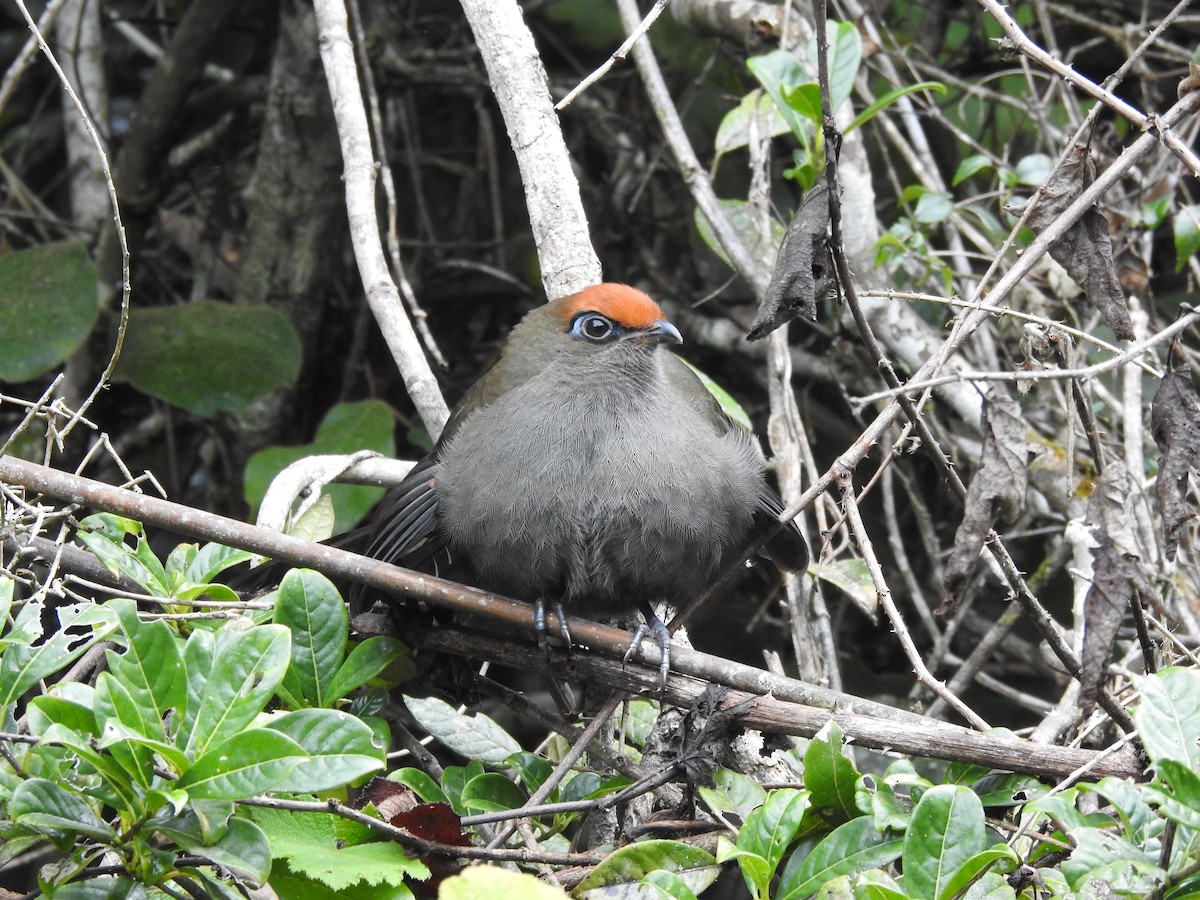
x: 607, y: 314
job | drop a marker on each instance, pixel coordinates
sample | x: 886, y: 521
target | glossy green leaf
x: 777, y: 71
x: 245, y: 668
x: 829, y: 776
x: 367, y: 660
x: 757, y: 109
x: 22, y: 665
x: 151, y: 668
x: 52, y: 809
x: 48, y: 306
x: 248, y: 763
x: 845, y: 55
x: 491, y: 792
x: 495, y: 883
x: 1176, y: 793
x: 1168, y: 718
x: 242, y: 850
x: 946, y: 830
x: 625, y: 868
x: 851, y: 577
x: 311, y: 608
x: 853, y: 847
x: 972, y: 165
x: 998, y: 856
x: 425, y: 787
x: 209, y: 357
x: 733, y: 792
x: 891, y: 97
x: 341, y: 749
x: 767, y: 833
x: 669, y: 885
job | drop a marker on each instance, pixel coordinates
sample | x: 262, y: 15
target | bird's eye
x: 593, y: 327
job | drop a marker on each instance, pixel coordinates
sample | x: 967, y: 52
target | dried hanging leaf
x: 1116, y: 574
x: 996, y: 491
x: 803, y: 268
x: 1085, y: 250
x: 1175, y: 424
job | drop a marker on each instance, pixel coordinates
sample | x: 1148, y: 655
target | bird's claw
x: 662, y: 637
x: 539, y: 624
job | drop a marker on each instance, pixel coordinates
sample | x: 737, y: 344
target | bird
x: 591, y: 471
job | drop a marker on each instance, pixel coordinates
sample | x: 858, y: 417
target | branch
x: 337, y: 55
x: 792, y: 707
x: 560, y: 228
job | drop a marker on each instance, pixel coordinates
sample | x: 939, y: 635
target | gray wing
x: 786, y: 549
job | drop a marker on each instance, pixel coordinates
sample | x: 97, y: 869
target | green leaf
x: 1168, y: 718
x: 243, y: 849
x: 934, y: 207
x: 851, y: 577
x: 104, y: 535
x: 340, y: 748
x: 51, y: 809
x: 248, y: 763
x: 311, y: 608
x: 829, y: 776
x: 769, y: 830
x: 22, y: 665
x: 1109, y: 858
x: 972, y: 165
x: 228, y: 692
x: 946, y: 830
x: 1154, y: 213
x: 669, y: 885
x: 975, y: 867
x: 532, y: 769
x: 425, y: 787
x: 1176, y: 793
x: 733, y: 792
x: 308, y: 842
x: 777, y: 71
x: 734, y: 130
x: 476, y: 737
x: 209, y: 357
x: 853, y: 847
x: 626, y: 868
x: 346, y: 428
x: 891, y: 97
x: 491, y: 792
x: 115, y: 706
x: 1187, y: 234
x: 151, y: 668
x: 209, y: 561
x: 48, y: 306
x: 367, y: 660
x: 806, y: 100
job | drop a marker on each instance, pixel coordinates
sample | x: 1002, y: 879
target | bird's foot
x: 654, y: 627
x: 539, y: 624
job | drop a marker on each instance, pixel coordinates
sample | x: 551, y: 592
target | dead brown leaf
x: 996, y: 492
x: 1175, y: 424
x: 1116, y: 575
x: 1085, y: 250
x: 803, y: 268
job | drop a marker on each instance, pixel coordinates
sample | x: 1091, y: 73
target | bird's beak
x: 660, y: 332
